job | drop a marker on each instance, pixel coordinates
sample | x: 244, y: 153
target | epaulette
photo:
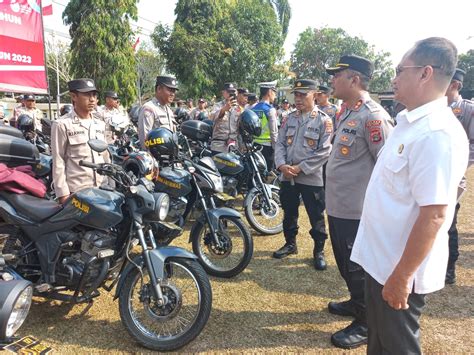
x: 372, y: 106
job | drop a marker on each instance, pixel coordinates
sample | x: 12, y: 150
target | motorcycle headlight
x: 217, y: 181
x: 162, y: 205
x: 16, y: 295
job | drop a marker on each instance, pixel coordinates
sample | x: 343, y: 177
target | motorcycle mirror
x: 97, y: 145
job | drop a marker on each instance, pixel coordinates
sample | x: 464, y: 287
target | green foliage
x: 101, y: 46
x: 214, y: 41
x: 466, y: 62
x: 317, y: 49
x: 150, y: 64
x: 58, y: 58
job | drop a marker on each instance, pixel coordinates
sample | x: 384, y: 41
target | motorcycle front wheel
x: 233, y: 254
x: 182, y: 317
x: 266, y: 220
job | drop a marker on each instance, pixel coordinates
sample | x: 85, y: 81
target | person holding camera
x: 225, y: 116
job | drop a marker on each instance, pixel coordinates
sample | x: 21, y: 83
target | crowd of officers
x: 325, y: 156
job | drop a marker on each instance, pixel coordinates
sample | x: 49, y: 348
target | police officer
x: 225, y: 128
x: 30, y: 109
x: 324, y: 105
x: 283, y: 112
x: 108, y: 111
x: 303, y: 146
x: 201, y: 107
x: 268, y: 116
x: 69, y: 137
x: 362, y: 129
x: 157, y: 112
x: 464, y: 110
x: 252, y: 100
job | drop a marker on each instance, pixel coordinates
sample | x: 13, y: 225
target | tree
x: 213, y: 42
x: 466, y: 62
x: 58, y: 58
x: 283, y: 10
x: 317, y: 49
x: 150, y: 64
x: 101, y: 46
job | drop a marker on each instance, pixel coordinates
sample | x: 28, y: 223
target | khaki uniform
x: 69, y: 137
x: 106, y: 115
x: 226, y: 128
x: 305, y: 140
x: 154, y: 115
x: 360, y: 135
x: 34, y: 113
x: 464, y: 111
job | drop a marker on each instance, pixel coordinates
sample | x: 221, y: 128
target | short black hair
x: 437, y: 52
x: 264, y: 91
x: 364, y: 79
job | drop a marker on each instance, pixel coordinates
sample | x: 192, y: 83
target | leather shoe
x: 353, y: 336
x: 285, y: 250
x: 319, y: 261
x: 345, y: 308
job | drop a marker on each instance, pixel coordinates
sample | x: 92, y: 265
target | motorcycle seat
x: 37, y: 209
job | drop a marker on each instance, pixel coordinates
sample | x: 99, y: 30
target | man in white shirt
x: 402, y: 241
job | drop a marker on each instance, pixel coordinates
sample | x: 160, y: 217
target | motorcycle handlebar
x: 88, y: 164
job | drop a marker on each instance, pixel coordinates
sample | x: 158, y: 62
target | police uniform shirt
x: 361, y: 133
x: 106, y: 114
x: 305, y: 140
x: 34, y: 113
x: 154, y: 115
x: 420, y: 165
x: 69, y: 137
x: 224, y: 128
x: 464, y: 110
x: 330, y: 110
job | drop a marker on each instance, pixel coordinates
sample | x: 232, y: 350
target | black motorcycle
x: 219, y: 237
x: 70, y: 251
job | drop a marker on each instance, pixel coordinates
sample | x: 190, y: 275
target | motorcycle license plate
x: 224, y: 197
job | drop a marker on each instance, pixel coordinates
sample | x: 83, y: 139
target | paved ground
x: 274, y: 306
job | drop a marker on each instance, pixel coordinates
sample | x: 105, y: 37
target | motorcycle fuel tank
x: 175, y: 182
x: 93, y: 207
x: 228, y: 163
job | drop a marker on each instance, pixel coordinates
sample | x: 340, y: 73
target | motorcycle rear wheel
x: 188, y: 304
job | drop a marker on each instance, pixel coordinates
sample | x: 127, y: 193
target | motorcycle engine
x: 177, y: 208
x: 93, y: 244
x: 230, y: 185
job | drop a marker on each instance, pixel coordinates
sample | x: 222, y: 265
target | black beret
x: 459, y: 75
x: 304, y: 85
x: 111, y: 94
x: 167, y: 80
x: 81, y: 85
x: 353, y: 62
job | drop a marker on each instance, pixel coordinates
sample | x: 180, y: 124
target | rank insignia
x: 289, y: 140
x: 344, y: 139
x: 400, y: 148
x: 457, y: 110
x: 352, y: 123
x: 313, y: 114
x: 311, y: 142
x: 358, y: 105
x: 328, y: 126
x: 375, y: 135
x: 345, y: 151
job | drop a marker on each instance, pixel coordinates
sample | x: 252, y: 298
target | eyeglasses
x: 399, y: 69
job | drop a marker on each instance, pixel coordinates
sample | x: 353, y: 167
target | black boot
x: 288, y: 249
x: 450, y: 274
x: 353, y: 336
x: 344, y: 308
x: 318, y: 254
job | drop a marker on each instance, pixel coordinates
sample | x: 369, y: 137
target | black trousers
x: 453, y: 239
x: 314, y: 203
x: 392, y: 331
x: 268, y: 153
x: 343, y: 233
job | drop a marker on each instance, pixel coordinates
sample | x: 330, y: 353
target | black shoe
x: 285, y: 250
x: 319, y: 261
x: 450, y: 276
x: 353, y: 336
x: 345, y: 308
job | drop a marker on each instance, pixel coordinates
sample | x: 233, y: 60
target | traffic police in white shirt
x: 156, y: 113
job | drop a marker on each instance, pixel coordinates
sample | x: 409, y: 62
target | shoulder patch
x: 148, y: 112
x: 372, y: 106
x: 328, y: 126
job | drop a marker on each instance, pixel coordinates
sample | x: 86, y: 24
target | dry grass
x: 274, y: 306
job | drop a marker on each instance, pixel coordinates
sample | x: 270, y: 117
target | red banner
x: 22, y: 67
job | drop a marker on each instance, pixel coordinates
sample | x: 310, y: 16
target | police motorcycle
x: 70, y: 251
x: 220, y: 239
x: 21, y: 142
x: 244, y: 173
x: 126, y: 141
x: 15, y: 301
